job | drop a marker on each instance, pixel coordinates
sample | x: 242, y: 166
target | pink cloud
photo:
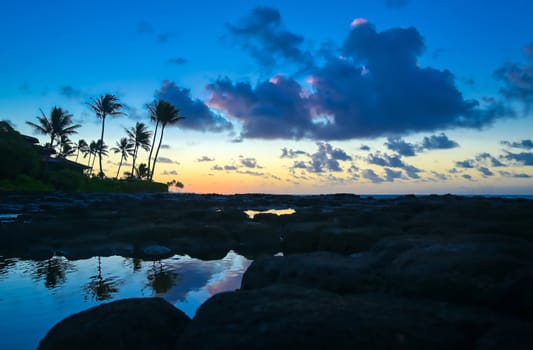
x: 358, y: 21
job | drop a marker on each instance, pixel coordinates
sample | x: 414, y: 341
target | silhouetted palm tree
x: 165, y: 114
x: 142, y: 171
x: 124, y: 147
x: 58, y: 124
x: 139, y: 136
x: 103, y: 106
x: 82, y: 147
x: 65, y: 147
x: 91, y: 151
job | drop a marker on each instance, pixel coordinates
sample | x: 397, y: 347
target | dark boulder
x: 146, y: 323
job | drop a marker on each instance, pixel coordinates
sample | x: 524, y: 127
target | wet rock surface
x: 411, y: 272
x: 149, y: 323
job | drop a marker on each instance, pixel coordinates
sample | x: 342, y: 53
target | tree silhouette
x: 57, y: 125
x: 143, y: 172
x: 53, y: 271
x: 65, y: 147
x: 161, y: 279
x: 139, y: 136
x: 103, y: 106
x: 82, y: 147
x: 124, y: 147
x: 101, y: 288
x: 165, y: 114
x: 91, y: 152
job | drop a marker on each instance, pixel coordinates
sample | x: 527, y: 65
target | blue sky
x: 284, y: 96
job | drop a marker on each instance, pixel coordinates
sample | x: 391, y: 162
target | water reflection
x: 53, y: 271
x: 100, y: 288
x: 252, y: 213
x: 35, y: 295
x: 161, y: 278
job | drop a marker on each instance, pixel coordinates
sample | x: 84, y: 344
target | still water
x: 35, y: 295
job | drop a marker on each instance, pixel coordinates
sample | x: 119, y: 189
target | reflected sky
x: 252, y: 213
x: 35, y: 295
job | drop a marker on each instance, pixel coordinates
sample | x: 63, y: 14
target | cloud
x: 524, y: 158
x: 403, y: 148
x: 465, y: 164
x: 440, y: 141
x: 489, y: 159
x: 515, y: 175
x: 249, y: 163
x: 376, y: 88
x: 326, y: 159
x: 263, y: 36
x: 172, y: 172
x: 178, y: 61
x: 396, y: 3
x: 273, y: 109
x: 144, y: 28
x: 164, y: 38
x: 369, y: 174
x: 467, y: 177
x: 518, y: 78
x: 391, y: 175
x: 205, y: 159
x: 524, y: 144
x: 439, y: 176
x: 291, y: 154
x: 217, y: 168
x: 70, y: 92
x: 393, y: 161
x: 133, y: 113
x: 198, y: 116
x: 485, y: 171
x: 248, y: 172
x: 165, y: 146
x: 364, y: 148
x: 230, y: 167
x: 166, y: 160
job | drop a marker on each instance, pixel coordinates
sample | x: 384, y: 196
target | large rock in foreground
x: 288, y: 317
x: 142, y: 323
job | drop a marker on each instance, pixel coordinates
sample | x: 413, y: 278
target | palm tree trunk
x: 101, y: 147
x: 89, y: 160
x: 157, y: 152
x: 151, y: 149
x: 92, y: 165
x: 119, y: 165
x: 133, y: 162
x: 77, y: 154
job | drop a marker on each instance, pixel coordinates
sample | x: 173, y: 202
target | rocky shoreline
x: 411, y: 272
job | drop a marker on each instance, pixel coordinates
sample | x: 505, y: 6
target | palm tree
x: 57, y: 125
x: 165, y: 114
x: 103, y: 106
x: 65, y: 147
x: 82, y: 147
x: 142, y: 171
x: 91, y: 151
x: 139, y: 136
x: 124, y: 147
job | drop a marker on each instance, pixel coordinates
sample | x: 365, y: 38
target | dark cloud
x: 263, y: 35
x: 524, y: 144
x: 488, y: 158
x: 198, y: 116
x: 391, y: 175
x: 393, y: 161
x: 165, y: 146
x: 465, y: 164
x: 377, y: 88
x: 515, y: 175
x: 485, y: 171
x: 326, y: 159
x: 440, y: 141
x: 166, y: 160
x: 70, y: 92
x: 524, y: 158
x: 205, y: 159
x: 369, y: 174
x: 467, y: 177
x: 273, y: 109
x: 396, y: 3
x: 230, y: 167
x: 144, y: 28
x: 133, y: 113
x: 518, y: 78
x: 364, y: 148
x: 249, y: 163
x: 172, y: 172
x: 177, y: 61
x: 439, y: 176
x: 291, y: 154
x: 400, y: 146
x: 164, y: 38
x: 217, y: 168
x: 248, y: 172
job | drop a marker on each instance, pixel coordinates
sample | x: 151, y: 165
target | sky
x: 370, y: 97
